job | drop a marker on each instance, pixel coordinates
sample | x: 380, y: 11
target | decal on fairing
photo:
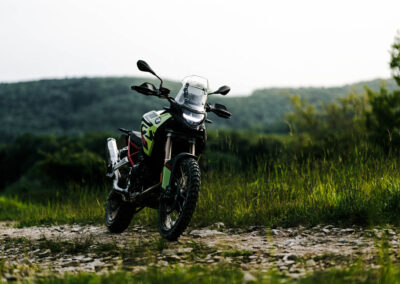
x: 151, y: 121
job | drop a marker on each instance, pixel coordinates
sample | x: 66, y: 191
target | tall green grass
x: 71, y: 205
x: 357, y: 189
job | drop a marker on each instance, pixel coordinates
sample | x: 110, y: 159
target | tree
x: 395, y: 58
x: 383, y: 120
x: 340, y: 124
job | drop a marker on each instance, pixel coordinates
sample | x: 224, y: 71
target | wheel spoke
x: 179, y: 205
x: 169, y: 210
x: 182, y: 197
x: 168, y: 221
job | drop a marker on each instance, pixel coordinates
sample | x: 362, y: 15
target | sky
x: 244, y: 44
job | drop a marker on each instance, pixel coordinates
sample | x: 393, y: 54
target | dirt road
x: 296, y: 251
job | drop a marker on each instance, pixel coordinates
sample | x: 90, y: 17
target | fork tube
x: 192, y: 147
x: 168, y: 148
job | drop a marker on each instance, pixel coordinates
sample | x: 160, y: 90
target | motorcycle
x: 158, y: 166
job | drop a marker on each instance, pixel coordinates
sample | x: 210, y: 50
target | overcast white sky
x: 244, y: 44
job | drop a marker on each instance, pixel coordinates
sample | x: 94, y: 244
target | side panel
x: 151, y: 121
x: 166, y: 177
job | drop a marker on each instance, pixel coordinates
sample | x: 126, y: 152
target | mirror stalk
x: 161, y: 81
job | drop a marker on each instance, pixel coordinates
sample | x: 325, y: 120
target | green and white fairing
x: 151, y: 122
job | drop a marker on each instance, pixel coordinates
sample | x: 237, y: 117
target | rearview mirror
x: 143, y: 66
x: 221, y: 90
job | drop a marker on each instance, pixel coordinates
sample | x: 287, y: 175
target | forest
x: 81, y: 105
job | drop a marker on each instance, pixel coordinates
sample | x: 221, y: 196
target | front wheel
x: 176, y: 210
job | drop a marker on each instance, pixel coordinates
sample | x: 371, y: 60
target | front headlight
x: 193, y: 118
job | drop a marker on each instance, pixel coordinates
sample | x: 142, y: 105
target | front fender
x: 169, y: 168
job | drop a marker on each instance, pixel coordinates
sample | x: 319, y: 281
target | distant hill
x: 76, y: 106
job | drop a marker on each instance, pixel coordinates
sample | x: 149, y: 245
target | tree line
x: 80, y: 105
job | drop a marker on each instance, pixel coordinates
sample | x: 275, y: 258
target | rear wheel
x: 118, y: 213
x: 176, y: 210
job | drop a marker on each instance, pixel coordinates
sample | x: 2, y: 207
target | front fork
x: 168, y: 147
x: 166, y: 174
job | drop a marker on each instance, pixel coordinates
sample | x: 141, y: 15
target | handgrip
x: 219, y: 110
x: 140, y: 90
x: 222, y: 113
x: 146, y: 89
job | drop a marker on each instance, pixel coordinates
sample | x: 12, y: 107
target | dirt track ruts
x: 293, y: 250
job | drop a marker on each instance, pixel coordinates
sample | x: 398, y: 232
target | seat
x: 136, y: 138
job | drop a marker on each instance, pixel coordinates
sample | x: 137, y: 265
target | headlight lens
x: 193, y: 118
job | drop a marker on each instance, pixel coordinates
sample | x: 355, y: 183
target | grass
x: 77, y: 246
x: 170, y: 275
x: 223, y: 274
x: 360, y: 190
x: 69, y: 247
x: 81, y: 205
x: 235, y: 253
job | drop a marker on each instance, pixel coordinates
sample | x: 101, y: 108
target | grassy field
x: 387, y: 273
x: 358, y: 189
x: 204, y: 275
x: 354, y: 274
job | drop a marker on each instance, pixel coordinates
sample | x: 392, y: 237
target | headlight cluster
x: 193, y: 118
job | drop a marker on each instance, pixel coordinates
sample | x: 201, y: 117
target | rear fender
x: 169, y: 167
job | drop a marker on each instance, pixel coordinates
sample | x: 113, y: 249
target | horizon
x: 177, y: 81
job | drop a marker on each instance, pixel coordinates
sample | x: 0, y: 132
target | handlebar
x: 143, y: 90
x: 149, y: 89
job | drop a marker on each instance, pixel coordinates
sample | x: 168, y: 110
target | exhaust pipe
x: 114, y: 163
x: 112, y: 152
x: 113, y: 155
